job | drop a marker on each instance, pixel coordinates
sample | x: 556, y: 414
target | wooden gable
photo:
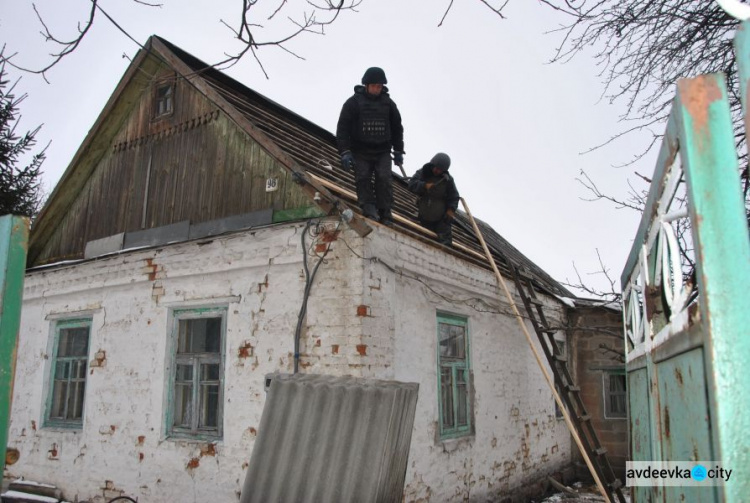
x: 142, y: 168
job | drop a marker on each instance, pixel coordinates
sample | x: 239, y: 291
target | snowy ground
x: 585, y: 493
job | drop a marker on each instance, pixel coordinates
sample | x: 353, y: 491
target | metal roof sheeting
x: 332, y: 439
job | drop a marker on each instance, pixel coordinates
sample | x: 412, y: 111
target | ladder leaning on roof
x: 570, y: 403
x: 570, y: 393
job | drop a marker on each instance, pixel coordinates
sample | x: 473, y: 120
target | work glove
x: 398, y: 158
x: 428, y: 186
x: 347, y: 161
x: 450, y: 214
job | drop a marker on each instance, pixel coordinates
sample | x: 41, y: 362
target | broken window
x: 68, y: 373
x: 615, y: 395
x: 198, y: 375
x: 454, y: 376
x: 164, y: 100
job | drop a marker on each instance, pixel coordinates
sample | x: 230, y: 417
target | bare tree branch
x: 612, y: 295
x: 313, y: 19
x: 66, y: 46
x: 446, y: 13
x: 496, y: 10
x: 635, y: 202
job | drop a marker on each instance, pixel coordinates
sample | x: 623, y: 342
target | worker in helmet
x: 438, y: 197
x: 369, y: 128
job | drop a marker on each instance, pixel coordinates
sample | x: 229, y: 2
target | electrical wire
x: 309, y: 278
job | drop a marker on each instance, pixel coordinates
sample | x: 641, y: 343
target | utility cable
x: 309, y: 278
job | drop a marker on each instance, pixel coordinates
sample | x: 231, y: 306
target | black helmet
x: 441, y: 160
x: 374, y: 75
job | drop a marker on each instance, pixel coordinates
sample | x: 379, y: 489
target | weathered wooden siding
x: 194, y: 164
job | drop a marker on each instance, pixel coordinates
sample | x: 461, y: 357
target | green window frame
x: 68, y: 373
x: 454, y: 376
x: 196, y: 386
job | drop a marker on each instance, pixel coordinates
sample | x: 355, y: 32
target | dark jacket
x: 370, y: 124
x: 442, y: 196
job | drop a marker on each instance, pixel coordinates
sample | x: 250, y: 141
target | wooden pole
x: 545, y: 372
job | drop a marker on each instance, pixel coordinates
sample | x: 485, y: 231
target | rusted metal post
x: 722, y: 249
x: 14, y: 240
x: 535, y: 351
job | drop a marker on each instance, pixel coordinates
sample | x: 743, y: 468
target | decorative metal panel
x: 685, y: 327
x: 332, y: 439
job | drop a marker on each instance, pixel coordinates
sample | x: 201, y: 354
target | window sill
x: 63, y: 428
x: 193, y: 439
x: 450, y: 445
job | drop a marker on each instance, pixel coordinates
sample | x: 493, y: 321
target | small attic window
x: 164, y: 100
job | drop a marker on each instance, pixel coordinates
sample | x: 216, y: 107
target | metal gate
x: 686, y: 298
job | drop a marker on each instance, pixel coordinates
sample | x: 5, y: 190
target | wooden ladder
x: 569, y: 392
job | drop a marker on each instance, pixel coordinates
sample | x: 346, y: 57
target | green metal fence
x: 685, y: 298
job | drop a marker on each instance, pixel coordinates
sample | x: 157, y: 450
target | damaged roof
x: 301, y: 146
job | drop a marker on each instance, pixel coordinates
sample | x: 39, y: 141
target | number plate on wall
x: 272, y: 184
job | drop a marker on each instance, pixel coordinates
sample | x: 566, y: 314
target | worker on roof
x: 369, y: 127
x: 438, y: 197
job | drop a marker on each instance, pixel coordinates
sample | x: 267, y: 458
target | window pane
x: 617, y: 405
x: 185, y: 373
x: 183, y: 405
x: 79, y: 369
x: 209, y: 406
x: 452, y: 340
x: 617, y: 383
x: 62, y: 370
x: 183, y: 396
x: 201, y: 335
x: 75, y: 405
x: 164, y: 100
x: 209, y: 372
x: 462, y: 398
x: 59, y: 393
x: 73, y: 342
x: 446, y: 393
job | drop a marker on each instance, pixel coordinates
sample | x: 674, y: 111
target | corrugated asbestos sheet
x: 332, y: 439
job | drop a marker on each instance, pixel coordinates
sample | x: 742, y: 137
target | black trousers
x: 443, y: 228
x: 380, y: 195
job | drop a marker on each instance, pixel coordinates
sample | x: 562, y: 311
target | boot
x: 369, y: 211
x: 386, y: 218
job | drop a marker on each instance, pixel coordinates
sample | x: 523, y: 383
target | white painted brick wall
x: 362, y: 319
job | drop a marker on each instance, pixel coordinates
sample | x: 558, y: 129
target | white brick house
x: 149, y: 322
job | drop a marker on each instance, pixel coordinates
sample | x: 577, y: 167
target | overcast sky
x: 478, y: 88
